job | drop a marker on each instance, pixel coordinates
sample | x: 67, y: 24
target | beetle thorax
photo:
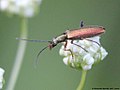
x: 59, y: 39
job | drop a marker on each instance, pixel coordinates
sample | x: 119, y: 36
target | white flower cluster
x: 26, y: 8
x: 82, y: 59
x: 1, y: 77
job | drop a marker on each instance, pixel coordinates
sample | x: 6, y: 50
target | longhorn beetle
x: 84, y: 32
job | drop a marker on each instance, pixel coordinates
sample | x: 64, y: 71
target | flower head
x: 1, y: 77
x: 83, y: 59
x: 24, y: 8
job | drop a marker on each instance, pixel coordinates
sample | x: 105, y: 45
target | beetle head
x: 52, y: 44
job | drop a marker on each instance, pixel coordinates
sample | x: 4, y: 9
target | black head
x: 51, y: 45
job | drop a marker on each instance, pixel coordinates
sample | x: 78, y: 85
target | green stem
x: 19, y: 56
x: 82, y: 82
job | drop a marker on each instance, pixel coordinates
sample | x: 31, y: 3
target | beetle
x: 84, y: 32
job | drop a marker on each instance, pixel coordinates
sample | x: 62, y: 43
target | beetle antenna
x: 36, y: 61
x: 31, y: 40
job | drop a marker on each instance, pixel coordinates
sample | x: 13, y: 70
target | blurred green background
x: 54, y: 18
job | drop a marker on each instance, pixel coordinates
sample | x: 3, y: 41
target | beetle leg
x: 67, y: 49
x: 78, y: 46
x: 93, y: 41
x: 81, y: 23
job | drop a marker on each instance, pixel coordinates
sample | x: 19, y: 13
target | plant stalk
x: 19, y: 56
x: 82, y: 82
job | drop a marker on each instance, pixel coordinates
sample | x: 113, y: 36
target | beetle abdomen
x: 85, y: 32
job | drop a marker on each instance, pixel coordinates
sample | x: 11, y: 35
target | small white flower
x: 82, y: 59
x: 103, y: 52
x: 1, y: 77
x: 65, y: 60
x: 88, y: 59
x: 87, y: 67
x: 26, y: 8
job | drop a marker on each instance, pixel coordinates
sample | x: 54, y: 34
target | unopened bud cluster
x: 26, y: 8
x: 82, y: 59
